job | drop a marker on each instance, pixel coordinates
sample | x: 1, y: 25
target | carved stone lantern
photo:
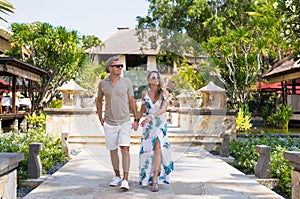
x: 71, y: 94
x: 213, y: 96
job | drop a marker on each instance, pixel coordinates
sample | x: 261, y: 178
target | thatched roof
x: 126, y: 41
x: 12, y: 66
x: 285, y: 69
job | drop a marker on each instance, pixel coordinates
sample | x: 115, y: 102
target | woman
x: 155, y: 153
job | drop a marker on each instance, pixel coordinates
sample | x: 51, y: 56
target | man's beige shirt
x: 116, y: 100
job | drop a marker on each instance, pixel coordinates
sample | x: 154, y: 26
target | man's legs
x: 111, y: 139
x: 124, y: 142
x: 114, y: 157
x: 125, y: 161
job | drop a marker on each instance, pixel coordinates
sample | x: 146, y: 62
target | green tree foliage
x: 250, y: 44
x: 89, y: 76
x: 290, y: 11
x: 241, y: 37
x: 6, y: 8
x: 187, y: 79
x: 54, y: 49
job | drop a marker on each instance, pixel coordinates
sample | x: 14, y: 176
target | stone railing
x: 294, y: 159
x: 8, y: 174
x: 204, y: 121
x: 262, y: 168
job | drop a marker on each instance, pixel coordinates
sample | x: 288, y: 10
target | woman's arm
x: 162, y: 110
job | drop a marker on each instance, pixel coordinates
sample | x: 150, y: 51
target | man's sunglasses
x: 117, y: 66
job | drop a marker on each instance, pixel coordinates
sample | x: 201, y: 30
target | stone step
x: 171, y: 136
x: 182, y: 139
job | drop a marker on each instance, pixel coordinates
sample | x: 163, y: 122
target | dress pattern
x: 155, y: 129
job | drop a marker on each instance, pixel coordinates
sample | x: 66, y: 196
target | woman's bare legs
x: 157, y: 163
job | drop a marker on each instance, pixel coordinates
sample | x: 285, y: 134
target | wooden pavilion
x: 14, y: 68
x: 287, y: 72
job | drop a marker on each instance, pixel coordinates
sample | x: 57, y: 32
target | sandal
x: 155, y: 187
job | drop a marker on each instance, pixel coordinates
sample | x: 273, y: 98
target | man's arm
x: 99, y: 104
x: 132, y: 105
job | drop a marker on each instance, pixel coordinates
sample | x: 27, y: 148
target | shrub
x: 55, y: 103
x: 243, y: 150
x: 281, y: 118
x: 243, y: 119
x: 18, y: 141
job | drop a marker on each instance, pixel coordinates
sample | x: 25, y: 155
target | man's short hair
x: 110, y: 61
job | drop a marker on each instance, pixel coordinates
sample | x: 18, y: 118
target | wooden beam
x: 19, y: 72
x: 13, y: 99
x: 280, y: 78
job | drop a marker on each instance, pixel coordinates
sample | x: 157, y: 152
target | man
x: 118, y: 93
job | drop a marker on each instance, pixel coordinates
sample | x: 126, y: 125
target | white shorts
x: 116, y: 136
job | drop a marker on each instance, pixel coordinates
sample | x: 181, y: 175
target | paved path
x: 198, y: 174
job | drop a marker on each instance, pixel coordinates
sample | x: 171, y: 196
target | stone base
x: 32, y: 183
x: 229, y: 160
x: 79, y: 122
x: 270, y: 183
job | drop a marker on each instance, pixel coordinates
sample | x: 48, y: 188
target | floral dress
x: 155, y: 129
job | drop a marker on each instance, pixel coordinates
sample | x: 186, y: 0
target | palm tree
x: 6, y: 8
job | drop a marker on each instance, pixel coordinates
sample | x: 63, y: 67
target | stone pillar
x: 184, y: 119
x: 8, y: 174
x: 23, y: 124
x: 15, y: 125
x: 294, y: 158
x: 34, y: 161
x: 224, y: 152
x: 65, y: 143
x: 262, y: 168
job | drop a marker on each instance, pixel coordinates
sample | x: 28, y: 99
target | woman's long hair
x: 160, y: 90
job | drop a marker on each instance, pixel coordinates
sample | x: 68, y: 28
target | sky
x: 88, y: 17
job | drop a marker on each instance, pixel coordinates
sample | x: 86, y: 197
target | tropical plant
x: 243, y: 119
x: 55, y: 49
x: 6, y: 8
x: 282, y: 116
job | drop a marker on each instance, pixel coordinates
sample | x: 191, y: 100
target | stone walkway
x: 198, y: 174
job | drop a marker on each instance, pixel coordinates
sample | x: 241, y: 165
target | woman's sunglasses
x: 117, y: 65
x: 154, y: 77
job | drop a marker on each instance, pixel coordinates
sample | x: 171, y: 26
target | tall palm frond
x: 6, y: 8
